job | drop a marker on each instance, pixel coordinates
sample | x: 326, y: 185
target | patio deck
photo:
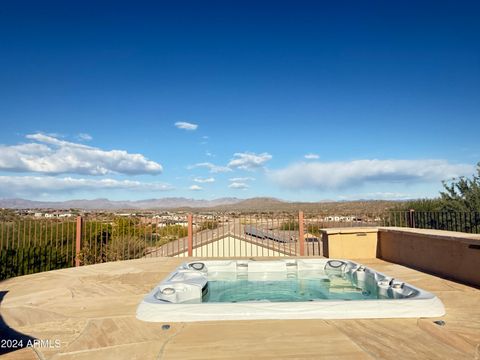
x: 91, y: 311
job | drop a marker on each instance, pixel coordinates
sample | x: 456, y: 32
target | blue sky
x: 383, y: 96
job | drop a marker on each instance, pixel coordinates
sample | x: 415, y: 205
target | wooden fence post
x: 78, y: 239
x: 301, y: 235
x: 190, y: 234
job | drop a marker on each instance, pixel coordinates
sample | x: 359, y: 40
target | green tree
x: 8, y: 215
x: 457, y: 208
x: 289, y: 225
x: 208, y: 225
x: 422, y: 205
x: 122, y: 239
x: 462, y: 194
x: 170, y: 233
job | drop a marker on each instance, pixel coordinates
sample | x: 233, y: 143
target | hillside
x: 259, y: 204
x: 105, y: 204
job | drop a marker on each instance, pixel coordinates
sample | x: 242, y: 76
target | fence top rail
x: 432, y: 233
x: 434, y: 211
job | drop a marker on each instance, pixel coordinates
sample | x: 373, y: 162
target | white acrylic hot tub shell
x: 423, y: 304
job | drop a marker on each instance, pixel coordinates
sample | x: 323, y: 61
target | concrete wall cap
x: 349, y: 230
x: 439, y: 234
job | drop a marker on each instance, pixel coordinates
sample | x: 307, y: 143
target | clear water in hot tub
x: 287, y: 290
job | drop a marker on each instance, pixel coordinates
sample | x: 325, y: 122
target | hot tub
x: 283, y: 289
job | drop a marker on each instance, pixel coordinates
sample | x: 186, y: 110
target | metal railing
x: 468, y: 222
x: 31, y: 245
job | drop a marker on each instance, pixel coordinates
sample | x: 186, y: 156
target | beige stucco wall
x: 231, y: 247
x: 452, y: 255
x: 355, y: 243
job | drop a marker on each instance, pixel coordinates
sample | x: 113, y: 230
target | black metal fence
x: 468, y: 222
x: 30, y: 246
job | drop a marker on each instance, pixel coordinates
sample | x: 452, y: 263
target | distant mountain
x: 324, y: 206
x: 183, y: 202
x: 222, y: 204
x: 105, y: 204
x: 257, y: 203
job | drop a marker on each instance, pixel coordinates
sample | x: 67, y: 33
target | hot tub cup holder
x: 198, y: 266
x: 335, y: 268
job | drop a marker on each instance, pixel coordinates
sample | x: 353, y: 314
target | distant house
x: 172, y: 222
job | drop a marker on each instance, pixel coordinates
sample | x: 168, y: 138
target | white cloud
x: 335, y: 175
x: 195, y: 188
x: 50, y: 155
x: 238, y: 185
x: 186, y: 125
x: 241, y: 179
x: 244, y: 161
x: 211, y: 167
x: 379, y: 196
x: 12, y: 186
x: 204, y: 180
x: 311, y: 156
x: 248, y: 161
x: 84, y: 137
